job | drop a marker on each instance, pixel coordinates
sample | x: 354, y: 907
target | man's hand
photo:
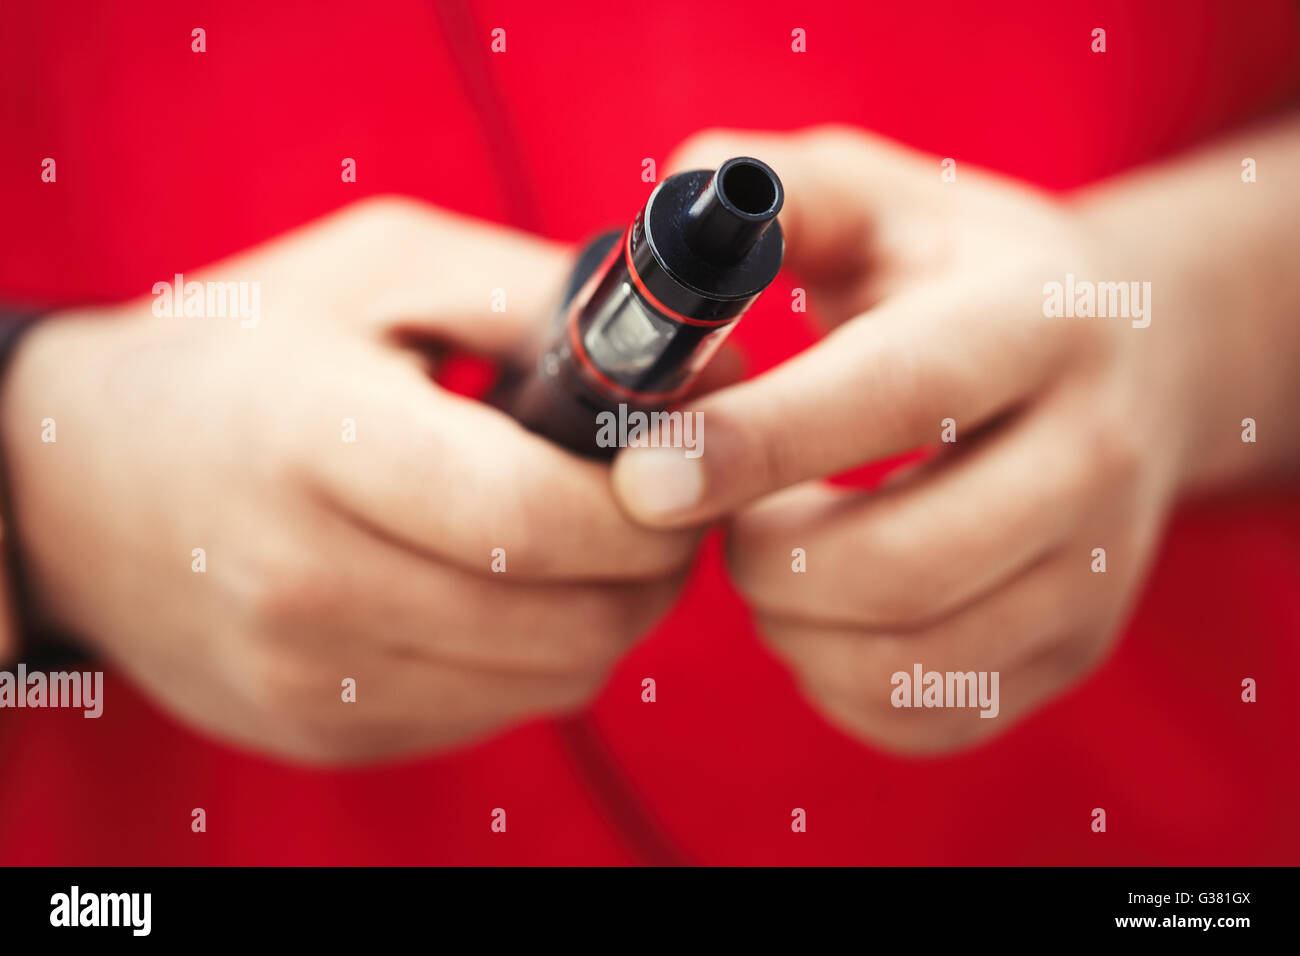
x: 326, y: 559
x: 1071, y: 439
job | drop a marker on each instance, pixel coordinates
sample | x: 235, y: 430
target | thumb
x: 868, y: 391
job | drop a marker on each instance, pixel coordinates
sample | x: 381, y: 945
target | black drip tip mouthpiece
x: 647, y: 306
x: 733, y: 210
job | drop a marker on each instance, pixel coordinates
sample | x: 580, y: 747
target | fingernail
x: 658, y: 482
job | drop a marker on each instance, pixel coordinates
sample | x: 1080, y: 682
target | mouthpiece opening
x: 733, y: 210
x: 751, y: 188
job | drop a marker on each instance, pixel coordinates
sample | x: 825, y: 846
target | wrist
x: 43, y: 380
x: 1198, y: 360
x: 1221, y: 252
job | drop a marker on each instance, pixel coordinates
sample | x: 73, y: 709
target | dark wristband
x: 13, y: 326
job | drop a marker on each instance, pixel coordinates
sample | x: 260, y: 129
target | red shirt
x: 170, y: 159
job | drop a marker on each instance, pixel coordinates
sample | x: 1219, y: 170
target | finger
x: 402, y: 703
x: 562, y: 630
x: 1010, y: 627
x: 1031, y: 635
x: 1022, y: 691
x: 412, y: 269
x: 406, y: 705
x: 957, y: 530
x: 498, y: 623
x: 450, y: 477
x: 840, y: 183
x: 877, y: 386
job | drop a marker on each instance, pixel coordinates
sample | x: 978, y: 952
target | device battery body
x: 646, y: 308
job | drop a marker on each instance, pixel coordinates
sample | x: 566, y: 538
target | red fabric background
x: 168, y: 160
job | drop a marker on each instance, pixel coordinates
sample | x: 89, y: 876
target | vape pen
x: 646, y: 308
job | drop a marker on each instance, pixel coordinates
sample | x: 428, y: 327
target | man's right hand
x: 326, y: 559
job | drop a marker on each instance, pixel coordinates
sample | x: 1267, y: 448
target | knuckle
x: 582, y: 689
x: 780, y: 636
x: 911, y: 602
x: 561, y: 687
x: 294, y: 590
x: 917, y: 391
x: 749, y: 585
x: 1083, y: 341
x: 842, y: 137
x: 389, y: 208
x: 749, y: 455
x: 852, y: 146
x: 385, y: 221
x: 287, y: 684
x: 852, y: 668
x: 327, y: 745
x: 589, y: 653
x: 878, y: 661
x: 853, y: 680
x: 707, y: 148
x: 758, y: 457
x: 596, y: 658
x: 671, y: 555
x: 746, y: 561
x: 1075, y: 659
x: 1114, y: 448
